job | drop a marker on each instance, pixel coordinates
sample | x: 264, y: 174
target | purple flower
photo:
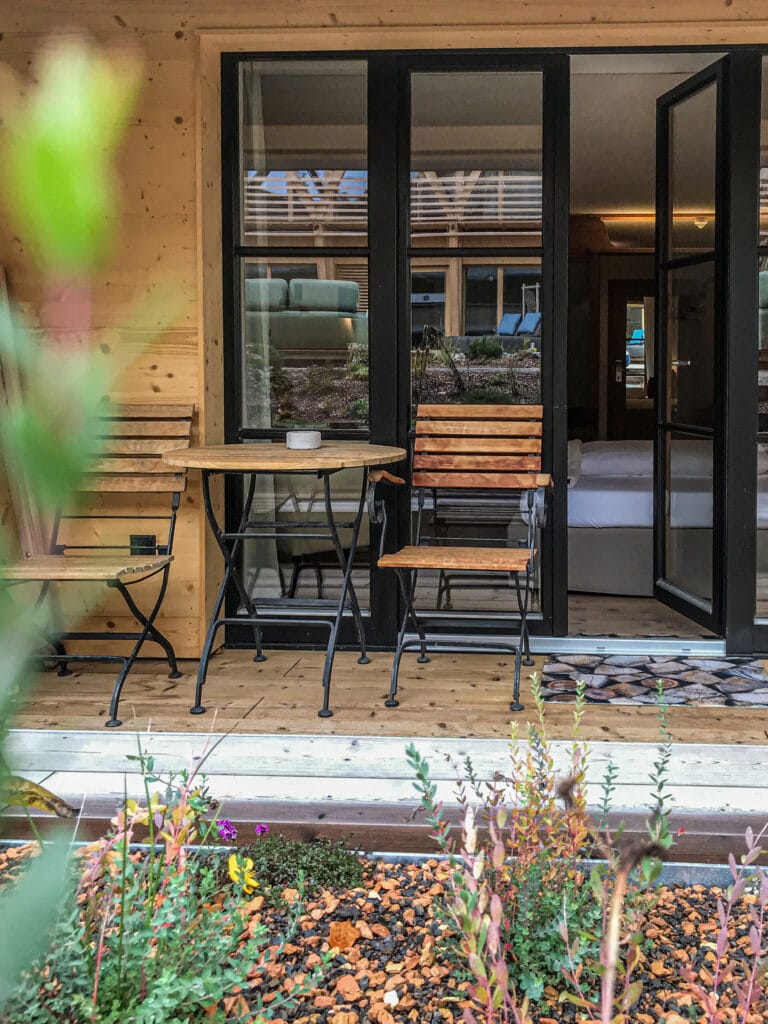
x: 226, y: 830
x: 261, y: 830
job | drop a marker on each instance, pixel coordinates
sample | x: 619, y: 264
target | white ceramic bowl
x: 303, y: 439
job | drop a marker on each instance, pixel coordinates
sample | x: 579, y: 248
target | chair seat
x: 457, y: 558
x: 45, y: 568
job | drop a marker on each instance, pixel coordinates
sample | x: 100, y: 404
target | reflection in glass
x: 305, y: 344
x: 692, y: 172
x: 475, y: 331
x: 764, y: 156
x: 691, y: 344
x: 688, y: 520
x: 303, y: 152
x: 476, y: 169
x: 477, y: 340
x: 761, y: 610
x: 300, y: 566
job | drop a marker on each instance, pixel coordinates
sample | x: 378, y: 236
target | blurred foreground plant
x: 58, y: 154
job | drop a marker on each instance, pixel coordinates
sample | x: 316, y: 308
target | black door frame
x: 389, y: 288
x: 553, y: 253
x: 388, y: 283
x: 737, y: 77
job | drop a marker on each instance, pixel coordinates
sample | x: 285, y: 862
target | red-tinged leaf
x: 732, y: 866
x: 563, y: 929
x: 721, y: 913
x: 751, y: 856
x: 502, y: 974
x: 496, y: 909
x: 754, y: 941
x: 753, y: 916
x: 763, y: 890
x: 749, y: 836
x: 722, y: 942
x: 469, y: 1017
x: 738, y: 888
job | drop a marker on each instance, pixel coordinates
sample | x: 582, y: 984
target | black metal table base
x: 259, y: 613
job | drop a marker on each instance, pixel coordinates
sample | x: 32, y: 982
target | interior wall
x: 167, y: 234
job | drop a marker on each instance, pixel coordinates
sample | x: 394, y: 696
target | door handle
x: 681, y: 362
x: 618, y: 372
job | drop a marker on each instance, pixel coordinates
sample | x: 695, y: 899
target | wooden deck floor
x: 281, y: 759
x: 455, y: 695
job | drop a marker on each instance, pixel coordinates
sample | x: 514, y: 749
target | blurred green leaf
x: 57, y: 161
x: 28, y: 912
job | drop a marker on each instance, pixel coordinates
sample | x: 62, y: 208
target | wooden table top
x: 276, y: 458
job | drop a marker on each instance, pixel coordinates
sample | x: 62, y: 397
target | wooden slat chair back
x: 472, y: 448
x: 93, y: 544
x: 483, y: 447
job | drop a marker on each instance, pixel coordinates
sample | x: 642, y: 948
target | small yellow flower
x: 241, y: 873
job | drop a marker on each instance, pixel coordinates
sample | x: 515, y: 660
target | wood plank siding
x: 168, y: 233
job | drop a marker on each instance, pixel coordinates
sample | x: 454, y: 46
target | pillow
x: 310, y: 294
x: 575, y: 449
x: 509, y: 323
x: 265, y: 294
x: 691, y: 458
x: 529, y: 324
x: 617, y: 458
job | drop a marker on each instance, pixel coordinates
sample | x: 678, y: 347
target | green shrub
x: 488, y: 396
x: 278, y: 862
x: 481, y: 349
x: 358, y: 409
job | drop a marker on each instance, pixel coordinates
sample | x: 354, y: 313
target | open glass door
x: 691, y: 349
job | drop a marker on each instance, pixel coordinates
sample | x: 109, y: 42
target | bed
x: 610, y: 516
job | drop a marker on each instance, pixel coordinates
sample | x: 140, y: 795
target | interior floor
x: 614, y: 616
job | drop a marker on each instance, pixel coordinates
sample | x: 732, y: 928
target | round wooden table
x: 265, y: 458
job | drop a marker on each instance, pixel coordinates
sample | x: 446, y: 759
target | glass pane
x: 427, y: 302
x: 475, y: 346
x: 639, y: 357
x: 305, y: 344
x: 476, y: 170
x: 303, y: 158
x: 761, y: 610
x: 476, y: 335
x: 692, y: 172
x: 691, y: 345
x: 688, y: 521
x: 764, y: 157
x: 304, y: 567
x: 762, y: 343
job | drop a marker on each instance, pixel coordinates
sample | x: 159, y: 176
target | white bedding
x: 603, y: 501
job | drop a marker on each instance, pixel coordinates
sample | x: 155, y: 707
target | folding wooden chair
x: 491, y: 450
x: 127, y: 459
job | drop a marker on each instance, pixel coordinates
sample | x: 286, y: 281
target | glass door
x: 689, y: 484
x: 486, y: 292
x: 706, y: 217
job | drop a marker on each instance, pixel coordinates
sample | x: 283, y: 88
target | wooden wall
x: 167, y: 233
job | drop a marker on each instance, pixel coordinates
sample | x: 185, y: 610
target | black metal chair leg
x: 515, y: 705
x: 154, y: 633
x: 319, y: 581
x: 113, y: 721
x: 295, y: 573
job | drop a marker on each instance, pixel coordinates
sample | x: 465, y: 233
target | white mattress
x: 602, y: 501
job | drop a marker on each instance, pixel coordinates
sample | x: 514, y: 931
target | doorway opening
x: 612, y: 377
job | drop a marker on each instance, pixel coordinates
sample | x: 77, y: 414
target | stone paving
x: 632, y: 679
